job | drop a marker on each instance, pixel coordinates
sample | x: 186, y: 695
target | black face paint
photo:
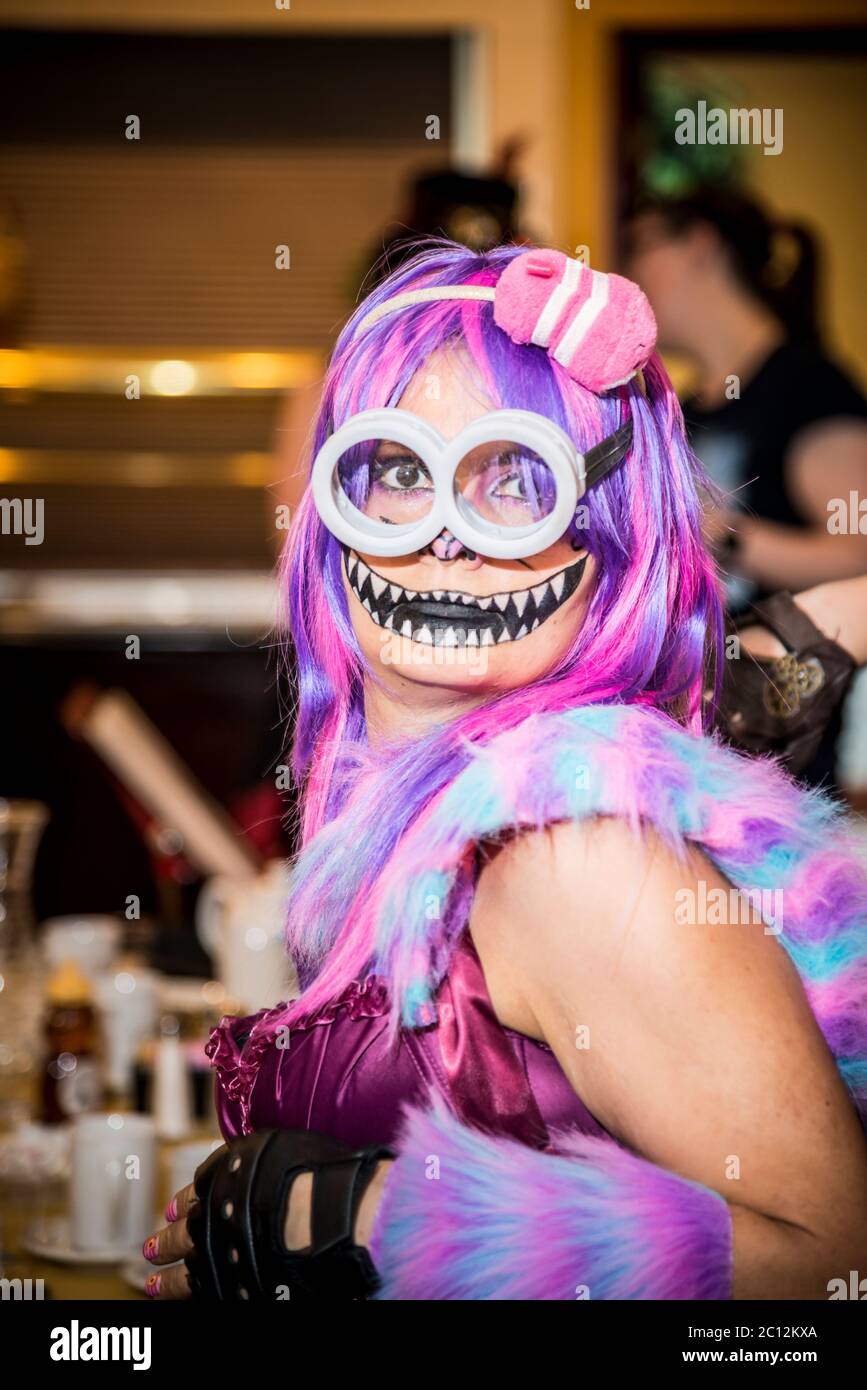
x: 453, y: 618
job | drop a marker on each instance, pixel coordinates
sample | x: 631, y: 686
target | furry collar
x: 767, y: 836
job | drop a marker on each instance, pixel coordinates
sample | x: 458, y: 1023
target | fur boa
x: 762, y: 831
x: 470, y: 1215
x: 464, y: 1215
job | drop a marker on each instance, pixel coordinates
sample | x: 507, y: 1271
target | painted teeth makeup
x: 452, y: 618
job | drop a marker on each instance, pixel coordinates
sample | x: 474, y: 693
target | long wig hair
x: 651, y: 635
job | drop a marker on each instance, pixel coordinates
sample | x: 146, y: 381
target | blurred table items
x: 172, y: 1090
x: 34, y: 1177
x: 196, y: 1005
x: 89, y: 940
x: 35, y: 1154
x: 127, y: 999
x: 21, y: 827
x: 241, y: 924
x: 113, y: 1183
x: 70, y: 1074
x: 182, y: 1160
x: 22, y: 995
x: 78, y: 1197
x: 150, y: 771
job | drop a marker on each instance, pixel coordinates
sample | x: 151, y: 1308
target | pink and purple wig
x: 651, y: 635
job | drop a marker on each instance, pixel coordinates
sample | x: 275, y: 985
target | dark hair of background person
x: 777, y: 260
x: 480, y: 209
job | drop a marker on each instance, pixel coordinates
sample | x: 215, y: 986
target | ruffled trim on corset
x: 237, y: 1063
x: 227, y: 1057
x: 368, y: 998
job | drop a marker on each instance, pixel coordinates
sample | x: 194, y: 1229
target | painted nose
x: 447, y: 547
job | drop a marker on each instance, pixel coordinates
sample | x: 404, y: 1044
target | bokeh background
x: 306, y: 126
x: 158, y: 367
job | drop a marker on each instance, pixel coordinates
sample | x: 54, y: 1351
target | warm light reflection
x: 81, y: 369
x: 256, y: 371
x: 132, y: 468
x: 173, y: 377
x: 17, y: 370
x: 9, y: 466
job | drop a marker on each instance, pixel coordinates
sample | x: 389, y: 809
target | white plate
x: 53, y: 1243
x: 135, y: 1273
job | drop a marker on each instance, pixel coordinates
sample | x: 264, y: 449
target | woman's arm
x: 838, y: 609
x: 703, y: 1053
x: 826, y: 465
x: 693, y: 1043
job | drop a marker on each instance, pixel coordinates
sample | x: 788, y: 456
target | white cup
x: 172, y: 1102
x: 185, y: 1159
x: 127, y: 1001
x: 113, y: 1182
x: 91, y: 942
x: 241, y: 924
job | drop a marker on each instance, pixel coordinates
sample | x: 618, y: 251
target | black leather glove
x: 236, y: 1224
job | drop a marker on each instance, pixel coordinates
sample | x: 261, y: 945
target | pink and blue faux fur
x: 504, y: 1221
x: 761, y: 830
x: 465, y: 1215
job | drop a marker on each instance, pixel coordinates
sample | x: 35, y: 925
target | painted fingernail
x: 152, y: 1285
x: 172, y: 1210
x: 151, y: 1248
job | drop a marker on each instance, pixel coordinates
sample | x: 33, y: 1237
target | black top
x: 744, y: 443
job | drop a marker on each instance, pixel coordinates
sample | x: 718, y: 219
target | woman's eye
x: 402, y: 474
x: 512, y: 485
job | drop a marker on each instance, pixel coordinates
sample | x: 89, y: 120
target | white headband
x: 433, y: 292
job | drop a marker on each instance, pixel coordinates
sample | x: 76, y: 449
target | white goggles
x: 388, y: 483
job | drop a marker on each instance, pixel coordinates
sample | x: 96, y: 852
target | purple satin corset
x: 340, y: 1075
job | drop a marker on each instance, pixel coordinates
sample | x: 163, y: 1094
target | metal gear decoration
x: 791, y: 682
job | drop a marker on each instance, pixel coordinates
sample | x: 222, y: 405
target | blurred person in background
x: 778, y: 424
x: 736, y: 293
x: 479, y: 210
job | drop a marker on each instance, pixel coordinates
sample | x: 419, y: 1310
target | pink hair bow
x: 599, y: 327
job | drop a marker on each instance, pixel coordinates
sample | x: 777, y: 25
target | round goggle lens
x: 387, y: 482
x: 503, y: 484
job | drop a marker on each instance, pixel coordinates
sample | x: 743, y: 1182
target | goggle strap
x: 603, y: 458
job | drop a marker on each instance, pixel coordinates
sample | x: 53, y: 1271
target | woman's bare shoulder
x: 567, y: 861
x: 543, y: 887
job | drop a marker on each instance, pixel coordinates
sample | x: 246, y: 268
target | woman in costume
x: 583, y: 991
